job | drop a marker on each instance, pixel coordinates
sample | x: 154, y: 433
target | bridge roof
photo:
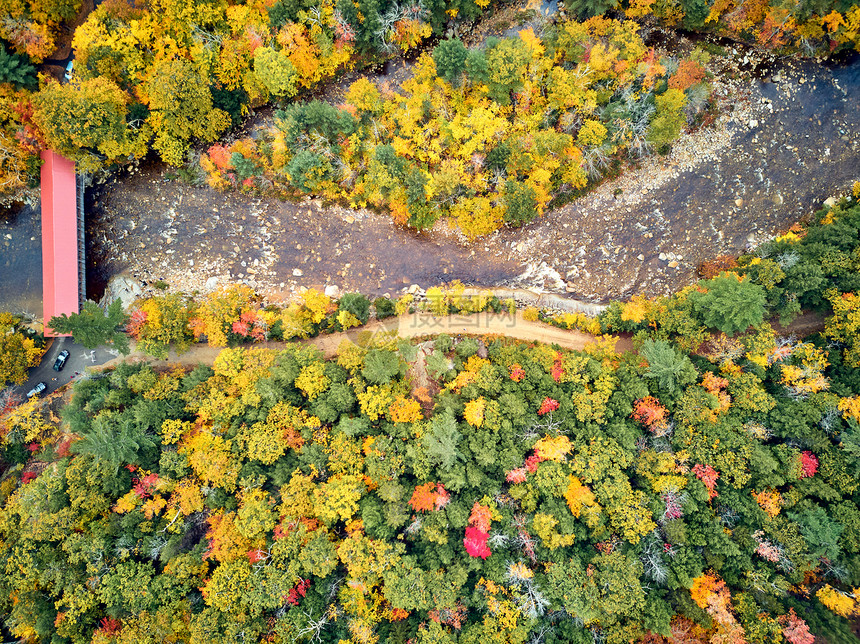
x: 59, y: 238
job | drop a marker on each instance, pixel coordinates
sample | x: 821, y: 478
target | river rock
x: 123, y: 287
x: 332, y: 291
x: 830, y: 202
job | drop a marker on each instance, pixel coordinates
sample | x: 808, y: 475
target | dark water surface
x: 21, y: 261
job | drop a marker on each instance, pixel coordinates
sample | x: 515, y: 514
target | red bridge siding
x: 59, y: 238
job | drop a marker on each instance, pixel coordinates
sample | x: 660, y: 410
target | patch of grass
x: 713, y: 49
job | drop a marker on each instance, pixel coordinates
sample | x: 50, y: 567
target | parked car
x: 60, y: 362
x: 35, y: 391
x: 69, y: 70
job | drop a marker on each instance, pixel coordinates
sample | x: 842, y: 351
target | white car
x: 35, y: 391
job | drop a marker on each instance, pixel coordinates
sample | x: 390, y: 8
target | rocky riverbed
x: 788, y: 138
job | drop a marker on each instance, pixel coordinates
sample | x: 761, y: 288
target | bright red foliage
x: 110, y: 626
x: 707, y: 475
x: 455, y: 616
x: 808, y: 464
x: 795, y: 630
x: 135, y: 323
x: 532, y: 463
x: 255, y: 555
x: 63, y: 447
x: 9, y: 400
x: 298, y: 591
x: 481, y: 517
x: 476, y: 543
x: 517, y: 372
x: 548, y: 405
x: 221, y: 157
x: 517, y: 475
x: 649, y: 411
x: 557, y: 370
x: 146, y: 486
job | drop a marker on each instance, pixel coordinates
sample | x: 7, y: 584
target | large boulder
x: 124, y: 287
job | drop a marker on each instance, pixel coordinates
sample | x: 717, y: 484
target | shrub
x: 356, y: 304
x: 709, y: 269
x: 385, y: 308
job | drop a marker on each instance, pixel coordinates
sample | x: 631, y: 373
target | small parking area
x: 79, y: 359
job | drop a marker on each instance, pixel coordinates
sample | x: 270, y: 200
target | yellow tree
x: 844, y: 324
x: 181, y: 109
x: 86, y: 122
x: 220, y: 310
x: 17, y: 351
x: 275, y: 71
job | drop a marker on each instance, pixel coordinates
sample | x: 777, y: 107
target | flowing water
x: 793, y: 141
x: 21, y: 261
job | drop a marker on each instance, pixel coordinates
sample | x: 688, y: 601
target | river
x: 21, y: 261
x: 792, y: 140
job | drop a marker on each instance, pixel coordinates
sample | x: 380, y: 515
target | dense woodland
x: 701, y: 489
x: 164, y: 75
x: 484, y: 137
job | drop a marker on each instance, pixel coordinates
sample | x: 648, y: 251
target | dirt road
x: 406, y: 326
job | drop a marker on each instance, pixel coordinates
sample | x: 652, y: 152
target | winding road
x: 406, y: 326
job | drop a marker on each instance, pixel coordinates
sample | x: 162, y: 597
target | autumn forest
x: 701, y: 488
x: 303, y: 470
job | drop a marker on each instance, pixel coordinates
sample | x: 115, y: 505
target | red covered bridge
x: 63, y: 287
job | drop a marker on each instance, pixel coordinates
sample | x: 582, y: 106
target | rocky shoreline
x: 781, y: 145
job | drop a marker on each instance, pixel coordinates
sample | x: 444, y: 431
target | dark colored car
x: 60, y: 362
x: 35, y: 391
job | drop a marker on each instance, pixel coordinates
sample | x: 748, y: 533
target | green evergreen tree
x: 115, y: 443
x: 450, y: 58
x: 667, y: 365
x: 16, y: 69
x: 93, y: 327
x: 729, y: 304
x: 380, y: 366
x: 589, y: 8
x: 442, y: 441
